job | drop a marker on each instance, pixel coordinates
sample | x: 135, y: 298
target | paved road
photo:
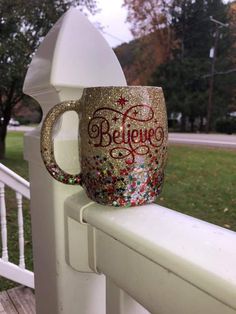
x: 20, y: 128
x: 215, y: 140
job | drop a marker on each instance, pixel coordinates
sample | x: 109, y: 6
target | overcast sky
x: 112, y: 17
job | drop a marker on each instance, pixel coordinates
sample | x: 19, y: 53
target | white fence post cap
x: 73, y: 54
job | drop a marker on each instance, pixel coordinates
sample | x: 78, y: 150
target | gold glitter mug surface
x: 122, y: 144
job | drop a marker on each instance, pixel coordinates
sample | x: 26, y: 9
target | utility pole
x: 211, y: 82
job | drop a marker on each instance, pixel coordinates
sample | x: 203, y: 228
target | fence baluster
x: 20, y: 230
x: 3, y: 222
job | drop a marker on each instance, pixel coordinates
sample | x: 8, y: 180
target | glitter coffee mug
x: 122, y: 144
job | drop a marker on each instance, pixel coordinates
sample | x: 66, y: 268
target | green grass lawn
x: 14, y: 154
x: 200, y: 182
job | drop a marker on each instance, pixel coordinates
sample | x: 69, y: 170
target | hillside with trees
x: 140, y: 57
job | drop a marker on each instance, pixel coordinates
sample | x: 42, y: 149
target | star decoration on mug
x: 115, y: 119
x: 122, y: 101
x: 135, y: 113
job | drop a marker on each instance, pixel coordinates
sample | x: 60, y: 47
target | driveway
x: 215, y: 140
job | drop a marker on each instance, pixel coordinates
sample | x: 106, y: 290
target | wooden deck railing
x: 9, y: 270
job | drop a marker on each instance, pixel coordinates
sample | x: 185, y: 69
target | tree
x: 188, y: 63
x: 198, y: 34
x: 184, y: 21
x: 184, y: 87
x: 148, y: 16
x: 193, y: 27
x: 232, y: 28
x: 23, y: 24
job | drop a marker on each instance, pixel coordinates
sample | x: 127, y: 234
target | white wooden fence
x: 92, y: 259
x: 8, y: 269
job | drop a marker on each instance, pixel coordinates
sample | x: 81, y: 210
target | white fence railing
x: 169, y: 262
x: 9, y: 270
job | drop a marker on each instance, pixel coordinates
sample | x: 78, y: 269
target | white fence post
x: 119, y: 302
x: 20, y: 230
x: 72, y: 56
x: 3, y: 222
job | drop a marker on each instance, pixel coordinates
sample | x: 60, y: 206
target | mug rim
x: 123, y: 86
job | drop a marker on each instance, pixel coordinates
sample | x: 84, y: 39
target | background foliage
x: 23, y: 25
x: 178, y: 36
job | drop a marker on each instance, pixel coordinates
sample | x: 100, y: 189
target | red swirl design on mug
x: 128, y: 141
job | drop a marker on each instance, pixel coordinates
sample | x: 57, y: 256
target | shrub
x: 226, y: 125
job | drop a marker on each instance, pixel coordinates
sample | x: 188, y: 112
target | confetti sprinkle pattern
x: 123, y: 144
x: 130, y: 186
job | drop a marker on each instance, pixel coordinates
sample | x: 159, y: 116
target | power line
x: 101, y: 29
x: 113, y: 36
x: 179, y: 28
x: 220, y: 73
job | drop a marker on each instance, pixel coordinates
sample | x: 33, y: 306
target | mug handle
x: 47, y: 145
